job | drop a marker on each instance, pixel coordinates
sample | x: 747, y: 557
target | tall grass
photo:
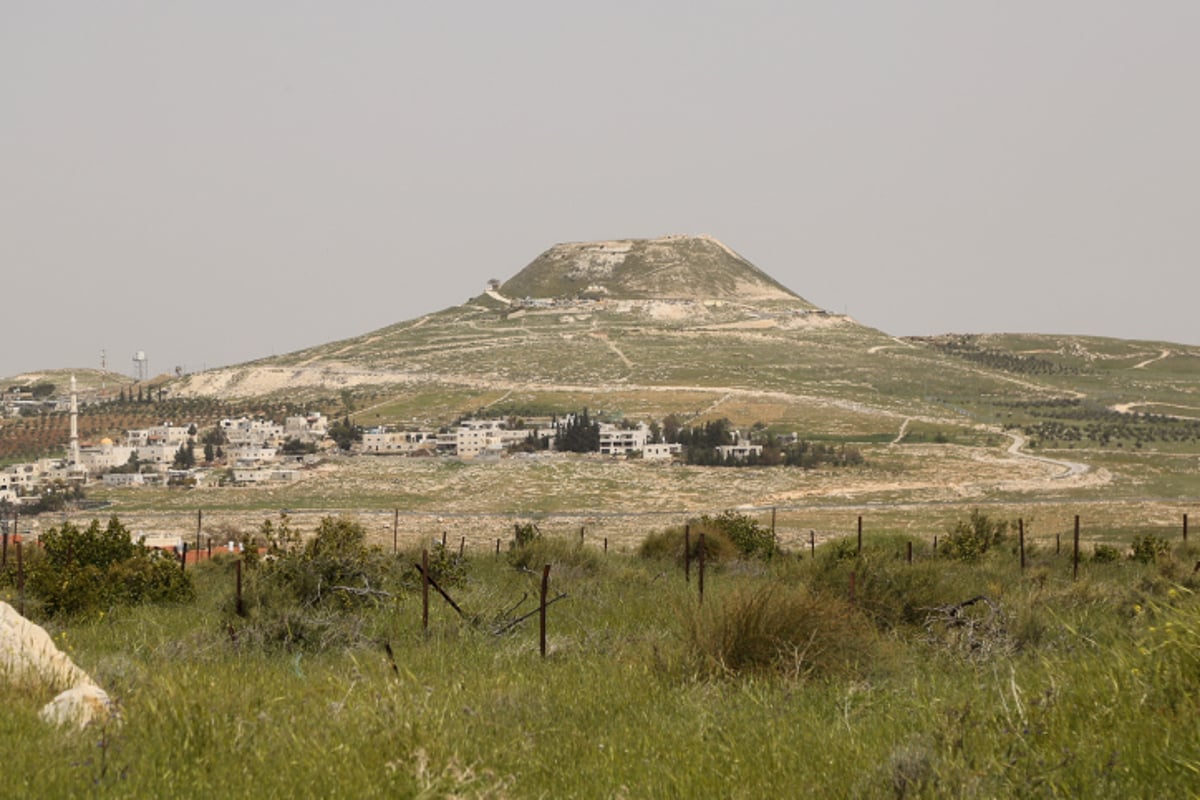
x: 779, y: 685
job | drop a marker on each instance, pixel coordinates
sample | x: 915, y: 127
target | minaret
x: 74, y: 425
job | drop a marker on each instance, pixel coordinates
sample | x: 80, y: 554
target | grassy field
x: 780, y: 684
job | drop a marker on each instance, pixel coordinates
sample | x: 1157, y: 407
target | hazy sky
x: 212, y: 182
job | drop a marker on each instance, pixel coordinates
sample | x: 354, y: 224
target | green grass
x: 1087, y: 688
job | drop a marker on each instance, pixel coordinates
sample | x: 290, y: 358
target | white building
x: 168, y: 434
x: 158, y: 455
x: 380, y: 441
x: 252, y: 431
x: 124, y: 479
x: 473, y: 437
x: 105, y: 456
x: 661, y: 452
x: 739, y: 451
x: 311, y: 427
x: 616, y: 441
x: 249, y: 455
x: 256, y: 475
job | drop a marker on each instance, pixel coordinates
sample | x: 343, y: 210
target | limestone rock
x: 29, y: 657
x: 79, y: 707
x: 29, y: 660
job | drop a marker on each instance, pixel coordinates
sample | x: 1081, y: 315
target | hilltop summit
x: 669, y: 267
x: 677, y: 311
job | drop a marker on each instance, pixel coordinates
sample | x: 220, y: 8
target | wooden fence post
x: 687, y: 553
x: 183, y: 558
x: 1057, y: 543
x: 910, y: 553
x: 1075, y: 557
x: 1021, y: 529
x: 396, y: 532
x: 859, y: 551
x: 700, y: 553
x: 542, y: 613
x: 425, y: 590
x: 605, y: 545
x: 241, y: 607
x: 497, y: 547
x: 462, y: 547
x: 20, y: 581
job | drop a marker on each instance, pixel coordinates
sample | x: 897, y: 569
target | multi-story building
x: 380, y: 441
x: 615, y: 441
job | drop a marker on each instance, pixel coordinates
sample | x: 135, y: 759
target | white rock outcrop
x: 79, y: 707
x: 30, y: 661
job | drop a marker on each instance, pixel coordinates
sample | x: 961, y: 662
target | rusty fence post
x: 542, y: 611
x: 910, y: 553
x: 462, y: 547
x: 425, y: 590
x: 1075, y: 556
x: 687, y: 553
x: 859, y: 551
x: 1021, y: 529
x: 20, y: 581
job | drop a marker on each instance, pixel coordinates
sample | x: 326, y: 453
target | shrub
x: 1105, y: 554
x: 94, y: 568
x: 445, y: 565
x: 335, y: 567
x: 969, y: 539
x: 525, y: 533
x: 669, y: 544
x: 783, y: 629
x: 1149, y: 548
x: 569, y: 555
x: 750, y: 538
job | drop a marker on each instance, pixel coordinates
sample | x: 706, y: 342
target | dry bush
x: 669, y: 545
x: 783, y: 629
